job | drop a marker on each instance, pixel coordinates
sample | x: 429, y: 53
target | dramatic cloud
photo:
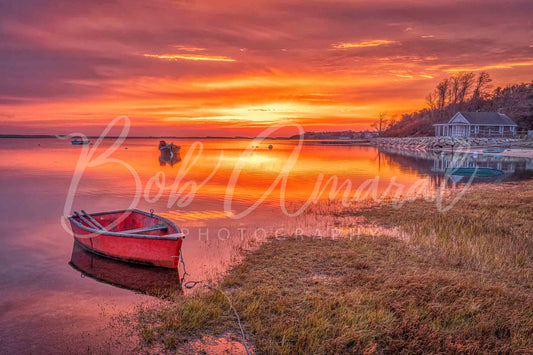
x: 189, y: 49
x: 212, y: 58
x: 373, y: 43
x: 232, y: 68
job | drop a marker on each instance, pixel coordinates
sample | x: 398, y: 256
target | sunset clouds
x: 212, y: 68
x: 372, y: 43
x: 197, y: 57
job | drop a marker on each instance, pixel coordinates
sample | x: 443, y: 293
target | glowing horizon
x: 198, y: 69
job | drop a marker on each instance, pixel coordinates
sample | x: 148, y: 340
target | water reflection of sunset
x: 37, y: 173
x: 259, y: 170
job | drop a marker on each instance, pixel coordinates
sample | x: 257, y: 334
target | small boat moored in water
x: 169, y: 153
x: 129, y: 235
x: 77, y: 141
x: 493, y: 150
x: 169, y: 148
x: 476, y: 172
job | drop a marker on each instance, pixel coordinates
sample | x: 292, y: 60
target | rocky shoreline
x: 446, y: 143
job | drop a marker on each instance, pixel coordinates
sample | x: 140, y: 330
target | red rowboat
x: 129, y: 235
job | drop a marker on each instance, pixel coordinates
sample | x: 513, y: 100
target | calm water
x: 46, y: 305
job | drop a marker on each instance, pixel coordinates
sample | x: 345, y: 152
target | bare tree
x: 381, y: 124
x: 432, y: 101
x: 459, y: 87
x: 455, y: 84
x: 480, y: 93
x: 442, y: 93
x: 467, y: 80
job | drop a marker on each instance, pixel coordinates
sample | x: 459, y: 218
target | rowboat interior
x: 126, y: 222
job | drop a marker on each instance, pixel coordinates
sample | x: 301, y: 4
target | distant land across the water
x: 128, y: 137
x: 307, y: 135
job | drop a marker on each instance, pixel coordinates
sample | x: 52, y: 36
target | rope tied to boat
x: 184, y: 270
x: 192, y: 284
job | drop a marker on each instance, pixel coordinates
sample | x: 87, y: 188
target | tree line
x: 465, y: 91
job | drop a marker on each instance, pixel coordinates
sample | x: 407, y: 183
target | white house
x: 477, y: 124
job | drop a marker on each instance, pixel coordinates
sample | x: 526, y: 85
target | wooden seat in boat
x: 146, y: 229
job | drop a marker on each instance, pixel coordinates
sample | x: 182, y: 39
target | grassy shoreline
x: 461, y: 281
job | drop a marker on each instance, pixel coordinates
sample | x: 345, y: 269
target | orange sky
x: 235, y: 67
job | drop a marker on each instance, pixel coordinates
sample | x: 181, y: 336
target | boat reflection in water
x: 169, y: 157
x: 153, y: 281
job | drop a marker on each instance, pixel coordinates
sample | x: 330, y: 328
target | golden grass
x: 490, y: 227
x: 461, y: 284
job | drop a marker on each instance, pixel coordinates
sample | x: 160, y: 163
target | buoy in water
x: 270, y: 147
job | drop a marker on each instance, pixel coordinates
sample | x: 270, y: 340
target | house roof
x: 488, y: 118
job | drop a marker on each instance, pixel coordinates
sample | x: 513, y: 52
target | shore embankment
x: 458, y: 281
x: 513, y: 146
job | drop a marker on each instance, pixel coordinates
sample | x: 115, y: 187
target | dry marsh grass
x: 464, y: 287
x: 489, y: 227
x: 324, y: 296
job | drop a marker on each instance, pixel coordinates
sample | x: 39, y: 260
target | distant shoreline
x: 133, y: 137
x: 325, y: 141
